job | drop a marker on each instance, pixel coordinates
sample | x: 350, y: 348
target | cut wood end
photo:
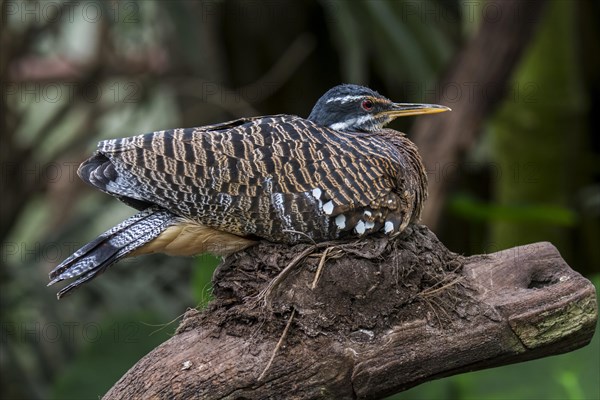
x: 558, y: 320
x: 543, y: 299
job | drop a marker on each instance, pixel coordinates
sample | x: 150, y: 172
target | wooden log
x: 384, y: 316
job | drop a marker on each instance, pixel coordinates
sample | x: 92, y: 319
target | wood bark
x: 383, y: 316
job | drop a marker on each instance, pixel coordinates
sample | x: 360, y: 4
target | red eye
x: 367, y: 105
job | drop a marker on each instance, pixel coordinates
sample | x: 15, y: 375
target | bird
x: 337, y: 174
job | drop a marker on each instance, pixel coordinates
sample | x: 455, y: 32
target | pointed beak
x: 406, y: 109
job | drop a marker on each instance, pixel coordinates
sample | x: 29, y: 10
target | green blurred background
x: 75, y: 72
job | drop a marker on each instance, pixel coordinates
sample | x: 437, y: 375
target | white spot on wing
x: 328, y: 207
x: 369, y: 225
x: 389, y: 227
x: 316, y: 193
x: 340, y: 221
x: 360, y: 227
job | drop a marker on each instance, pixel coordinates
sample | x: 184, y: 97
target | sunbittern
x: 220, y: 188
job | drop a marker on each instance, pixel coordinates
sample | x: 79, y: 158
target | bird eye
x: 367, y: 105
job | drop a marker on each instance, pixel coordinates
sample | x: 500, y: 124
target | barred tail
x: 113, y: 245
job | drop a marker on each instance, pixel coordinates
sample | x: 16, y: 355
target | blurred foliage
x: 73, y: 73
x: 474, y: 209
x: 112, y: 347
x: 552, y: 115
x: 420, y: 48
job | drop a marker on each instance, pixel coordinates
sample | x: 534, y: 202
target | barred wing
x: 282, y: 177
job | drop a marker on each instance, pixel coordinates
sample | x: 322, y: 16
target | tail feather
x: 113, y: 245
x: 100, y: 172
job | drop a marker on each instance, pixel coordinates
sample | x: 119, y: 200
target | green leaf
x: 110, y: 349
x: 473, y: 209
x: 202, y: 279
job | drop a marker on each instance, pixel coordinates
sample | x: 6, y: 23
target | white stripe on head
x: 364, y: 118
x: 339, y: 126
x: 344, y: 99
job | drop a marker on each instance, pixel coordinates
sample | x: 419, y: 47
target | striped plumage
x: 283, y: 178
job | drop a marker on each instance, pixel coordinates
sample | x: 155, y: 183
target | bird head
x: 359, y: 109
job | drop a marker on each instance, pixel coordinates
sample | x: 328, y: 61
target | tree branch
x: 384, y: 316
